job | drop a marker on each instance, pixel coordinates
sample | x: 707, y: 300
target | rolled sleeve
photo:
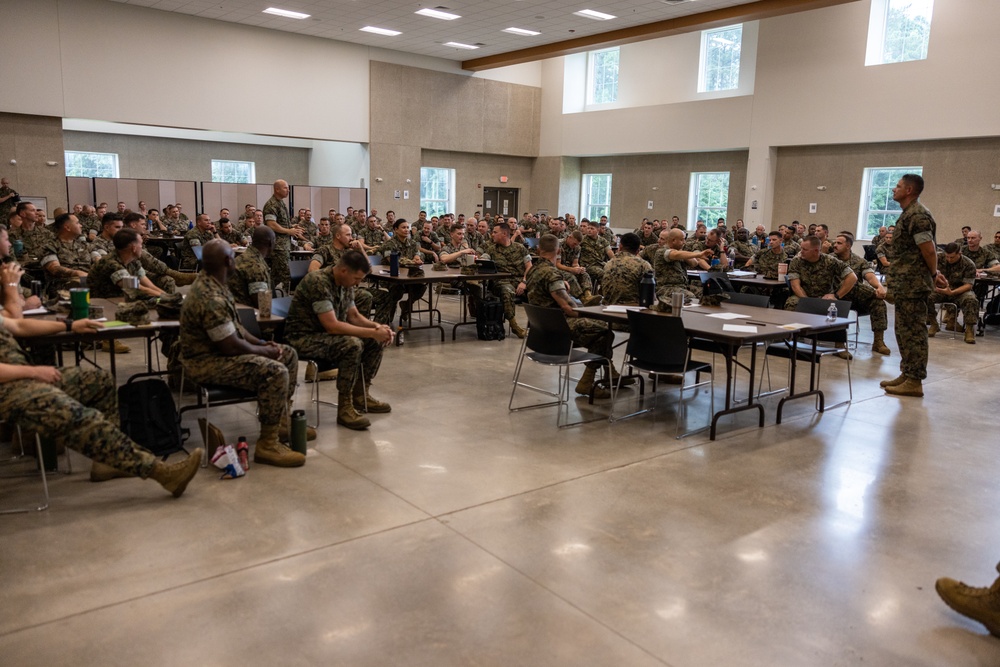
x: 322, y: 306
x: 221, y: 332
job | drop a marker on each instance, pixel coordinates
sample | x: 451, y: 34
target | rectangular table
x: 769, y: 323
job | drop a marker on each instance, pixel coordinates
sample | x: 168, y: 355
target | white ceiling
x: 481, y: 22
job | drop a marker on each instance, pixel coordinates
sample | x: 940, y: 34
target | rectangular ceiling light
x: 435, y: 14
x: 521, y: 31
x: 287, y: 14
x: 380, y: 31
x: 597, y: 16
x: 459, y: 45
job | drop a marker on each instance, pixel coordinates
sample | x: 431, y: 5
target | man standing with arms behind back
x: 913, y: 273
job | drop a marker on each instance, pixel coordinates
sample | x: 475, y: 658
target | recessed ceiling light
x: 435, y: 14
x: 286, y: 13
x: 380, y: 31
x: 597, y: 16
x: 459, y: 45
x: 521, y: 31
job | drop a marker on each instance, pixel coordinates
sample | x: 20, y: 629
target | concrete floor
x: 456, y: 533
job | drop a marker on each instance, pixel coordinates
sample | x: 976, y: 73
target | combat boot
x: 182, y: 277
x: 365, y: 402
x: 271, y: 452
x: 878, y: 344
x: 516, y: 329
x: 934, y: 328
x: 950, y: 321
x: 313, y: 376
x: 347, y: 415
x: 120, y: 347
x: 619, y: 380
x: 174, y: 477
x: 892, y: 383
x: 99, y: 472
x: 586, y: 383
x: 979, y: 604
x: 909, y: 387
x: 970, y: 334
x: 592, y: 300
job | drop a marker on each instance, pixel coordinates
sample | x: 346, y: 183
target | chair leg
x: 44, y: 505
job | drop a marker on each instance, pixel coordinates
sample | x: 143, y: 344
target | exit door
x: 500, y: 201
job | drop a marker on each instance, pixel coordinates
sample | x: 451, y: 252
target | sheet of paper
x: 36, y: 311
x: 620, y: 309
x: 793, y: 326
x: 742, y: 274
x: 740, y: 328
x: 729, y: 316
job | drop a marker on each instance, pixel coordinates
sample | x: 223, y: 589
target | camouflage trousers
x: 79, y: 411
x: 274, y: 380
x: 911, y: 336
x: 506, y: 290
x: 593, y: 335
x: 349, y: 355
x: 165, y: 283
x: 280, y: 273
x: 387, y: 304
x: 863, y: 300
x: 378, y: 304
x: 663, y: 292
x: 595, y: 272
x: 966, y: 302
x: 578, y: 284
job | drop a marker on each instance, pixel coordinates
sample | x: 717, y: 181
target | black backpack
x: 992, y: 315
x: 149, y: 416
x: 489, y: 319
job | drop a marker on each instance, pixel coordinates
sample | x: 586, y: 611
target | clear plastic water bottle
x: 831, y: 313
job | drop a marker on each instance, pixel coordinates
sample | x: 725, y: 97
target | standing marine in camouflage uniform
x: 66, y: 258
x: 251, y: 277
x: 216, y: 349
x: 277, y: 218
x: 323, y: 324
x: 76, y: 407
x: 545, y: 287
x: 913, y: 272
x: 671, y: 266
x: 6, y: 197
x: 868, y: 295
x: 960, y: 272
x: 510, y: 258
x: 202, y: 232
x: 623, y: 274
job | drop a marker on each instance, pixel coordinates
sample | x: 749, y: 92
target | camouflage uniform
x: 233, y: 237
x: 158, y: 273
x: 862, y: 295
x: 580, y: 282
x: 407, y: 249
x: 649, y: 253
x: 208, y: 316
x: 79, y: 411
x: 962, y: 272
x: 744, y: 249
x: 277, y: 210
x: 6, y: 206
x: 319, y: 293
x: 509, y: 259
x: 671, y: 276
x: 108, y: 272
x: 101, y: 247
x: 766, y: 261
x: 250, y: 278
x: 608, y: 235
x: 544, y: 279
x: 982, y: 258
x: 694, y: 245
x: 594, y: 255
x: 912, y: 283
x: 321, y: 240
x: 824, y: 276
x: 364, y: 298
x: 648, y: 240
x: 621, y: 279
x: 34, y: 240
x: 195, y: 237
x: 176, y: 226
x: 90, y: 223
x: 73, y: 254
x: 791, y: 248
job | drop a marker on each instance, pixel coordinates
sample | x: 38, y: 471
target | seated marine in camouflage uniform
x: 403, y: 243
x: 216, y: 349
x: 107, y: 275
x: 671, y: 266
x: 868, y: 295
x: 960, y: 272
x: 510, y: 258
x: 202, y: 232
x: 623, y: 274
x: 323, y: 324
x: 230, y: 235
x: 159, y: 274
x: 104, y: 244
x: 815, y: 274
x: 366, y: 299
x: 251, y: 276
x: 66, y: 258
x: 595, y: 251
x: 322, y: 236
x: 546, y: 288
x: 32, y: 233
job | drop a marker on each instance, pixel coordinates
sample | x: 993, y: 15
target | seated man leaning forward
x: 546, y: 288
x: 77, y: 406
x: 324, y: 324
x: 671, y: 266
x: 216, y: 349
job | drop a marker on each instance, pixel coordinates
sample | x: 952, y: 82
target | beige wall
x: 33, y: 141
x: 957, y: 173
x: 635, y: 176
x: 475, y: 172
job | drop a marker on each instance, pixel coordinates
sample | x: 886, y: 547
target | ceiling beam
x: 716, y: 18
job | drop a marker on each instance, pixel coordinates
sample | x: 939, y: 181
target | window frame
x: 115, y: 171
x: 436, y: 206
x: 703, y: 60
x: 878, y: 24
x: 224, y: 163
x: 694, y: 197
x: 868, y: 178
x: 591, y: 78
x: 588, y: 208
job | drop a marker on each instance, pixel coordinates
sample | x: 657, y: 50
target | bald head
x: 674, y: 234
x: 215, y: 256
x: 280, y: 189
x: 262, y: 237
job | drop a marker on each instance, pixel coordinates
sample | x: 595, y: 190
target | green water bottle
x: 299, y: 431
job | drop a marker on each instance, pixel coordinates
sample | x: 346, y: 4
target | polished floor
x: 454, y: 532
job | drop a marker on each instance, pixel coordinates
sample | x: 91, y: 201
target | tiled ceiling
x: 482, y: 23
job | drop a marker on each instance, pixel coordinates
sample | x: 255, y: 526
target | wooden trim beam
x: 716, y: 18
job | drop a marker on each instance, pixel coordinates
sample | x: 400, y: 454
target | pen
x: 763, y: 324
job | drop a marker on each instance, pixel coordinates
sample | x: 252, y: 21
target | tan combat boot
x: 909, y: 387
x: 174, y: 477
x: 271, y: 452
x: 99, y: 472
x: 878, y: 344
x: 892, y: 383
x: 313, y: 376
x: 182, y: 277
x: 516, y: 329
x: 970, y: 334
x: 586, y: 383
x: 365, y: 402
x: 979, y: 604
x: 120, y: 347
x: 347, y: 415
x: 950, y: 321
x: 593, y: 300
x: 934, y: 328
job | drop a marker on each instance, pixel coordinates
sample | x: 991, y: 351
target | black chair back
x: 741, y: 299
x: 548, y: 332
x: 249, y: 322
x: 656, y: 339
x: 815, y: 306
x: 870, y: 253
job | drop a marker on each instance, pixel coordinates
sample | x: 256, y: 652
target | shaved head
x: 215, y: 256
